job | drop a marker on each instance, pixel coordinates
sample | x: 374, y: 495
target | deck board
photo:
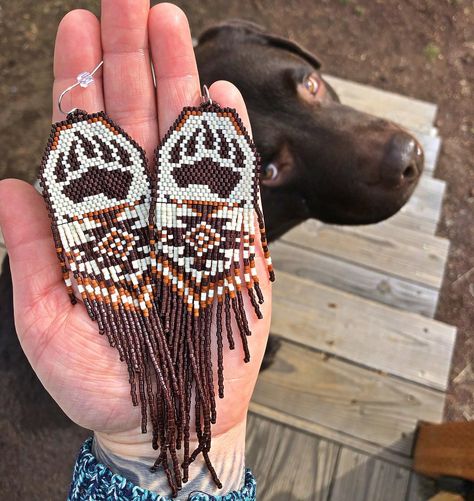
x: 412, y: 222
x: 427, y: 199
x: 404, y: 344
x: 424, y: 266
x: 350, y: 277
x: 367, y: 405
x: 367, y: 478
x: 424, y: 204
x: 289, y: 464
x: 338, y: 436
x: 431, y: 147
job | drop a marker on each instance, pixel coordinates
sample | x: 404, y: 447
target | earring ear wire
x: 206, y: 97
x: 84, y: 79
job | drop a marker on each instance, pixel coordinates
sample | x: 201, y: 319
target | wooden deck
x: 362, y: 360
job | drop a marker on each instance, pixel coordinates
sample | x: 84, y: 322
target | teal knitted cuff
x: 95, y: 482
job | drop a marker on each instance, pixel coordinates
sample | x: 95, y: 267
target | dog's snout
x: 403, y: 161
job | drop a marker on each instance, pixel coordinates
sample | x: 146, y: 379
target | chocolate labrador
x: 321, y: 159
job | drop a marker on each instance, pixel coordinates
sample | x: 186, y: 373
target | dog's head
x: 321, y: 159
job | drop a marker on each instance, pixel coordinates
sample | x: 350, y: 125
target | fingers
x: 128, y: 84
x: 78, y: 48
x: 174, y: 63
x: 27, y: 231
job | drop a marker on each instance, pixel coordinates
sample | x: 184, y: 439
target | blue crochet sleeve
x: 93, y: 481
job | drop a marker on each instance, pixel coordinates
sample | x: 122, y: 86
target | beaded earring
x: 205, y: 209
x: 97, y: 189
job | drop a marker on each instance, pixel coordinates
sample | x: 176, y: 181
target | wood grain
x: 352, y: 278
x: 288, y: 463
x: 367, y: 333
x: 361, y: 478
x: 411, y: 221
x: 331, y: 434
x: 373, y: 407
x: 385, y: 232
x: 423, y: 266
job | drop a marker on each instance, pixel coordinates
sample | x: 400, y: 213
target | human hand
x: 74, y: 363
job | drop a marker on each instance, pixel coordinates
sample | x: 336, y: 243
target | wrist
x: 131, y: 455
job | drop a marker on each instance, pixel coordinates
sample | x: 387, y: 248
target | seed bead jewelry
x: 205, y: 209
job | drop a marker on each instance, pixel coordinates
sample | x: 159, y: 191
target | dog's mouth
x: 219, y: 179
x: 114, y: 184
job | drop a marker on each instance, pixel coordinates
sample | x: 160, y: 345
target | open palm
x: 75, y: 363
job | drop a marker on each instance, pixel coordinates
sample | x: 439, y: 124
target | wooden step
x: 352, y: 401
x: 360, y: 477
x: 289, y: 464
x: 404, y: 344
x: 352, y: 278
x: 427, y: 199
x: 331, y: 434
x: 411, y: 221
x: 423, y: 210
x: 390, y: 255
x: 367, y: 261
x: 431, y: 147
x: 383, y: 232
x: 411, y: 113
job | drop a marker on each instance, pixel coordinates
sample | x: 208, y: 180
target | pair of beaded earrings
x: 157, y: 257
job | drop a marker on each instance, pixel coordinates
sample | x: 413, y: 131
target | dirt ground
x: 421, y: 48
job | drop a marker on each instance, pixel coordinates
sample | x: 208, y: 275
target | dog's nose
x: 402, y: 163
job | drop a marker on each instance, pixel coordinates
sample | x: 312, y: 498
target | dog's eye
x: 312, y: 84
x: 270, y: 172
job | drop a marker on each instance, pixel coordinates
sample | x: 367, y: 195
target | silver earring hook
x: 206, y: 97
x: 84, y: 79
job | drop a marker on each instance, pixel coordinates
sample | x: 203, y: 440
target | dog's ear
x: 248, y: 29
x: 290, y: 46
x: 280, y: 170
x: 236, y: 25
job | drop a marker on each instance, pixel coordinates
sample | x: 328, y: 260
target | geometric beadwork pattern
x: 97, y: 188
x: 207, y: 208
